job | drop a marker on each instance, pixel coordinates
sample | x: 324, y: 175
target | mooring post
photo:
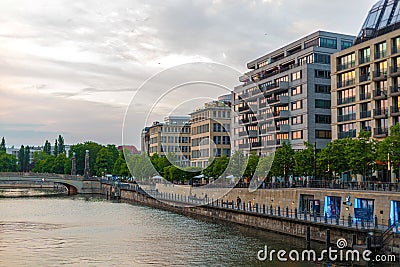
x: 287, y: 211
x: 369, y: 242
x: 295, y: 213
x: 354, y: 240
x: 328, y: 238
x: 308, y: 236
x: 264, y: 208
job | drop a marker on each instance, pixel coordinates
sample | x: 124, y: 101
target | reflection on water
x: 53, y: 232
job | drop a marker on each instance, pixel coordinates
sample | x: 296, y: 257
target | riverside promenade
x: 375, y: 234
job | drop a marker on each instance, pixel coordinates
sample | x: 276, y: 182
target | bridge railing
x: 45, y: 175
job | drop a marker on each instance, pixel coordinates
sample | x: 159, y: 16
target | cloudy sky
x: 72, y: 67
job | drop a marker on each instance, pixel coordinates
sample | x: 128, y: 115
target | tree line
x: 102, y: 159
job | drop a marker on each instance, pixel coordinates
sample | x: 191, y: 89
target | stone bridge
x: 74, y: 184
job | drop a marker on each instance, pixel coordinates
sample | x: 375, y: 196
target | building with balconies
x: 286, y: 95
x: 366, y: 76
x: 169, y: 137
x: 210, y: 128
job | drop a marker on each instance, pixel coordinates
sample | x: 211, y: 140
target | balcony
x: 346, y: 66
x: 394, y: 90
x: 281, y: 100
x: 255, y: 145
x: 345, y: 83
x: 380, y: 75
x: 280, y: 142
x: 365, y: 114
x: 243, y: 146
x: 283, y: 128
x: 380, y: 113
x: 395, y: 71
x: 380, y: 94
x: 363, y: 60
x: 380, y: 54
x: 281, y: 114
x: 347, y: 117
x: 364, y: 78
x: 349, y: 134
x: 281, y: 86
x: 381, y: 132
x: 394, y: 111
x: 245, y: 108
x: 365, y: 96
x: 342, y: 101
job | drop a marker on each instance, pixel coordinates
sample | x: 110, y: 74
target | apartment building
x: 286, y: 95
x: 171, y: 136
x: 366, y: 76
x: 210, y: 127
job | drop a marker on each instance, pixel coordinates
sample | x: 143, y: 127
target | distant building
x: 171, y: 136
x: 32, y: 149
x: 210, y: 127
x: 286, y: 95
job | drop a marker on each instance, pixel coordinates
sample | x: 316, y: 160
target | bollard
x: 264, y: 208
x: 369, y: 242
x: 354, y: 240
x: 217, y: 202
x: 328, y: 239
x: 287, y: 211
x: 305, y: 215
x: 270, y: 209
x: 257, y: 207
x: 326, y: 218
x: 212, y: 202
x: 279, y: 211
x: 295, y: 213
x: 233, y: 204
x: 244, y: 206
x: 362, y: 224
x: 349, y: 222
x: 308, y: 237
x: 315, y: 216
x: 376, y: 222
x: 337, y: 218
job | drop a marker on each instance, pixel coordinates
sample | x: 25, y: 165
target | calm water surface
x: 82, y: 232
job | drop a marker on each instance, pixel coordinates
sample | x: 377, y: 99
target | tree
x: 237, y: 164
x: 141, y: 167
x: 55, y: 152
x: 361, y: 154
x: 283, y: 163
x: 120, y: 167
x: 114, y: 153
x: 304, y: 160
x: 173, y: 173
x: 8, y: 163
x: 61, y: 145
x: 388, y: 150
x: 59, y: 163
x: 21, y: 159
x: 80, y: 151
x: 103, y: 161
x: 251, y: 165
x: 3, y: 145
x: 47, y: 147
x: 160, y: 163
x: 27, y: 158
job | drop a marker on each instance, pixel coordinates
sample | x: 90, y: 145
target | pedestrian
x: 238, y: 201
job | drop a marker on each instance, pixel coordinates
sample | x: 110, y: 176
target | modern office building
x: 366, y: 76
x: 286, y: 95
x: 171, y: 136
x: 210, y: 127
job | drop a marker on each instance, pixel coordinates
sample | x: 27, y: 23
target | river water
x: 92, y: 232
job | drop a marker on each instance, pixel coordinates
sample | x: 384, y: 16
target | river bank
x: 29, y: 193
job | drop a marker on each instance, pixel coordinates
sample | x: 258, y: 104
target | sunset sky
x: 72, y: 67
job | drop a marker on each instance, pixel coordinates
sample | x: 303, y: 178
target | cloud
x: 74, y: 66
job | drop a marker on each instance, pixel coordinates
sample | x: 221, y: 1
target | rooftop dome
x: 383, y: 17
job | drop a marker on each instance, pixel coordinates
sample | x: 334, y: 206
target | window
x: 296, y: 75
x: 306, y: 60
x: 328, y: 43
x: 346, y: 79
x: 322, y: 58
x: 347, y: 130
x: 365, y: 55
x: 322, y: 103
x: 297, y: 90
x: 297, y: 120
x: 322, y: 89
x: 347, y: 113
x: 324, y: 74
x: 217, y: 127
x: 225, y: 140
x: 297, y: 105
x: 346, y: 62
x: 380, y: 50
x: 311, y: 43
x: 346, y: 96
x: 346, y: 44
x: 396, y: 45
x: 323, y: 134
x: 297, y: 135
x: 322, y: 119
x: 217, y: 140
